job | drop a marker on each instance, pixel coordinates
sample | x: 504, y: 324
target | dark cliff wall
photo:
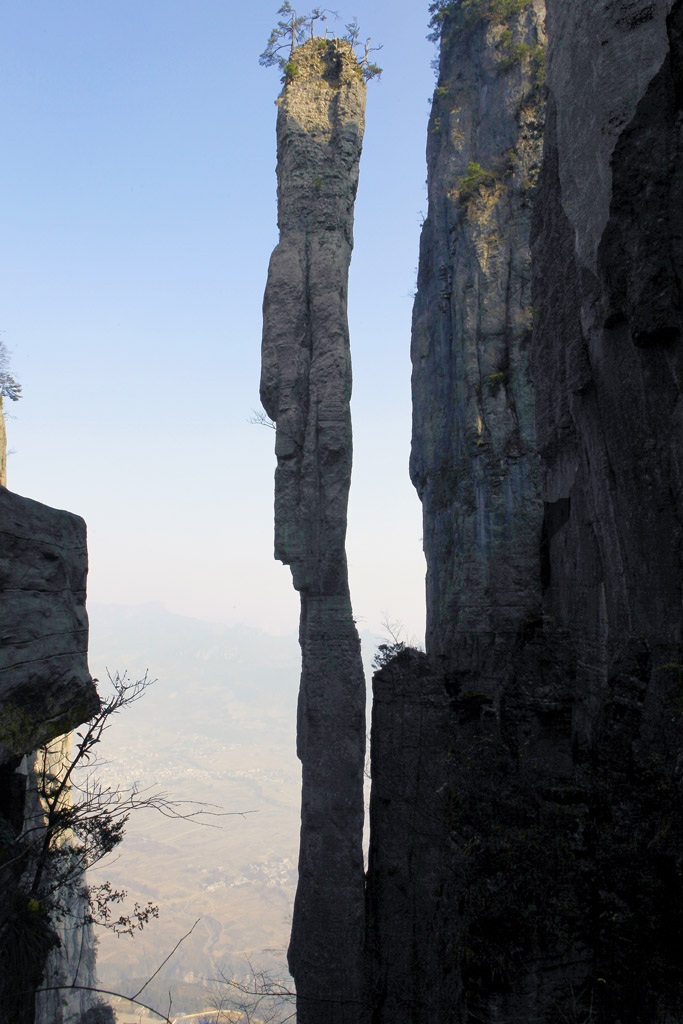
x: 475, y: 466
x: 525, y: 857
x: 45, y: 690
x: 607, y: 359
x: 45, y: 686
x: 608, y: 287
x: 306, y: 389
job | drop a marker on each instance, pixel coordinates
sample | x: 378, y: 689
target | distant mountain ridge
x: 218, y: 726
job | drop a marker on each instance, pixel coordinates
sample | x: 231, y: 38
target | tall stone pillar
x: 306, y: 388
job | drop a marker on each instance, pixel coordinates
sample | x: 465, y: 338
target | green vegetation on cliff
x: 472, y: 12
x: 517, y: 53
x: 293, y: 30
x: 9, y: 388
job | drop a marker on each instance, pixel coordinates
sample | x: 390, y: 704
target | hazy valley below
x: 218, y: 727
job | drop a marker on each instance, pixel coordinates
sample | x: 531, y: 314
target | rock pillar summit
x: 305, y: 389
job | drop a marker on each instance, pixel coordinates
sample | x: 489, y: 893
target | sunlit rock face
x: 306, y: 388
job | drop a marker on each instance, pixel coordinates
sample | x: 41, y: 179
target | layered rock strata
x: 305, y: 389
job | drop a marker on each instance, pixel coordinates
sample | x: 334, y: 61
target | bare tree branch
x: 168, y: 957
x: 104, y: 992
x: 261, y: 419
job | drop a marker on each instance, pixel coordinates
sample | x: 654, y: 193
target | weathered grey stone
x: 558, y: 893
x: 406, y: 942
x: 45, y: 686
x: 306, y: 388
x: 475, y: 466
x: 45, y: 690
x: 607, y: 352
x: 72, y: 962
x: 473, y: 456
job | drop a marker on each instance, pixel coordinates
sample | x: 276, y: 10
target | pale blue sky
x: 138, y: 217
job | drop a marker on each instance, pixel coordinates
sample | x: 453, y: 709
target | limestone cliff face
x: 547, y: 452
x: 607, y: 360
x: 475, y: 466
x: 306, y: 388
x: 473, y: 456
x: 608, y: 286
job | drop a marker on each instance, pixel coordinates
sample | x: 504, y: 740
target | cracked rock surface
x: 547, y: 441
x: 473, y: 458
x: 45, y: 685
x: 306, y: 389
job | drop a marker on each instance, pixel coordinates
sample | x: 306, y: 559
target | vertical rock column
x: 306, y: 388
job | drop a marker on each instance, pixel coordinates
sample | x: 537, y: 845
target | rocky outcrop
x: 45, y: 690
x: 305, y: 388
x: 549, y: 701
x: 45, y: 686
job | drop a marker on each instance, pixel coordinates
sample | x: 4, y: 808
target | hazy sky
x: 138, y: 217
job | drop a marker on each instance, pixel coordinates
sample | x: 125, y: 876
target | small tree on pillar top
x: 293, y: 29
